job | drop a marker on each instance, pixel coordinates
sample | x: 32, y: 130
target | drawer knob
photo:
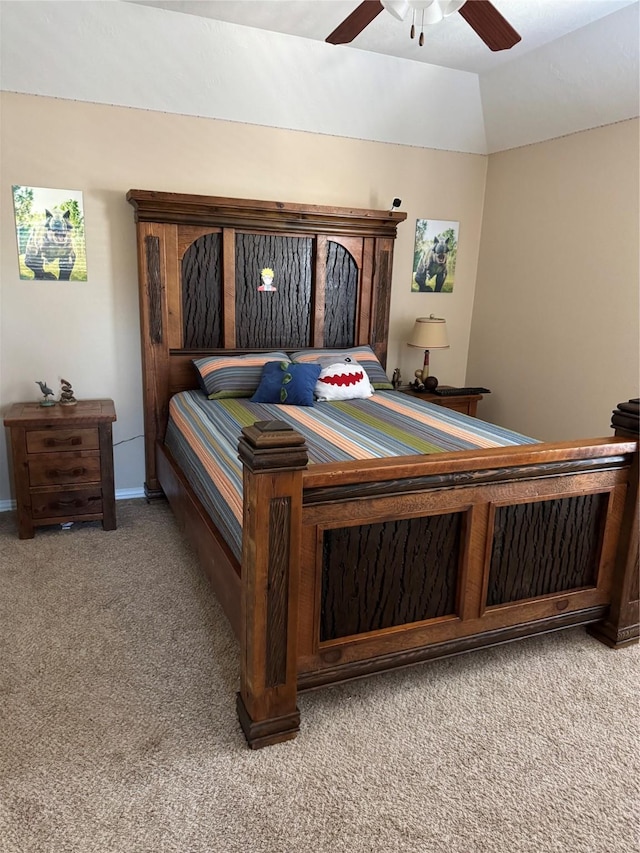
x: 76, y: 502
x: 57, y: 442
x: 54, y: 473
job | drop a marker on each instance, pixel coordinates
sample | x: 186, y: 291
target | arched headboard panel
x: 202, y: 293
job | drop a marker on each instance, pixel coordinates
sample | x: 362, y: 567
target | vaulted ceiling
x: 451, y: 43
x: 158, y: 55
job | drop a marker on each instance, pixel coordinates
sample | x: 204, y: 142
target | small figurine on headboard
x: 66, y: 395
x: 267, y: 276
x: 396, y: 379
x: 47, y: 393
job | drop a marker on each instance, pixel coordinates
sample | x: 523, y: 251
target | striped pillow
x: 364, y: 355
x: 233, y: 375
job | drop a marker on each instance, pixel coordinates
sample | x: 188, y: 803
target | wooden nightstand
x: 62, y: 463
x: 466, y: 403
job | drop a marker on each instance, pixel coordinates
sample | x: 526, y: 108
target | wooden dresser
x: 62, y: 463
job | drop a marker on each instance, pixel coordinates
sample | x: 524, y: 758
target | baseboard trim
x: 121, y: 495
x: 124, y: 494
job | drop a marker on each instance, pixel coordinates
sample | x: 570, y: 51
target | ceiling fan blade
x: 355, y: 23
x: 494, y: 30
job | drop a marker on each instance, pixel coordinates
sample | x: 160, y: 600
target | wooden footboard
x: 358, y: 568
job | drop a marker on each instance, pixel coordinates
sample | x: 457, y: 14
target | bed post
x: 274, y: 456
x: 621, y: 626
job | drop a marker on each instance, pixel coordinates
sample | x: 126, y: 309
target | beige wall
x: 89, y: 332
x: 555, y: 319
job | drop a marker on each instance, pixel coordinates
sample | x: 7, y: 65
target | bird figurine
x: 66, y: 394
x: 47, y: 392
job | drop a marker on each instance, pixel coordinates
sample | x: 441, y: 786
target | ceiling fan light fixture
x: 448, y: 7
x: 419, y: 5
x: 481, y: 15
x: 398, y: 8
x: 433, y: 15
x: 429, y: 9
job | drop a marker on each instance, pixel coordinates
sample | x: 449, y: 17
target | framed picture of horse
x: 434, y: 256
x: 50, y: 234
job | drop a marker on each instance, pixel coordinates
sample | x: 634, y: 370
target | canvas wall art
x: 50, y: 234
x: 434, y: 256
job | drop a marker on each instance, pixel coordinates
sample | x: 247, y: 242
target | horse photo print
x: 50, y: 232
x: 434, y: 256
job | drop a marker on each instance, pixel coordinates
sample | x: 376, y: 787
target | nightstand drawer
x: 465, y: 403
x: 454, y: 405
x: 48, y: 440
x: 49, y: 469
x: 62, y: 503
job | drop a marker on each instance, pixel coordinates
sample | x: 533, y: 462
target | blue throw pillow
x: 288, y: 383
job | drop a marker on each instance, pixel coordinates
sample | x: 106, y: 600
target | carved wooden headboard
x: 199, y: 263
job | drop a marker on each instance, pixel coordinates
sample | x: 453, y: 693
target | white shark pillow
x: 343, y: 381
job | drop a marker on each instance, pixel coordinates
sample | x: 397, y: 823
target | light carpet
x: 118, y: 730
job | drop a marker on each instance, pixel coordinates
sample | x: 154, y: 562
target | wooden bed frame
x: 352, y: 569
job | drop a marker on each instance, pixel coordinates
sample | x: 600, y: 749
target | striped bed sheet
x: 203, y: 435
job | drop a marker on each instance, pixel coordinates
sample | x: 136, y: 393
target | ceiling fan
x: 481, y: 15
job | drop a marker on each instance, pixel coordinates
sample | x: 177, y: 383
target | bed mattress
x: 203, y: 435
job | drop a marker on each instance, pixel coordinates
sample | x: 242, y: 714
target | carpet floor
x: 118, y: 731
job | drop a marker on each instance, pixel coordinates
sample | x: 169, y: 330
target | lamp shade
x: 429, y: 333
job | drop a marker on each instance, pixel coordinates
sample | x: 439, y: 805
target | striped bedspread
x: 203, y: 437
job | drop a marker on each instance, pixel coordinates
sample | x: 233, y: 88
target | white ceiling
x: 451, y: 43
x: 144, y: 57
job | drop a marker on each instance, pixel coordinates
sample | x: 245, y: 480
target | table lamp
x: 428, y: 333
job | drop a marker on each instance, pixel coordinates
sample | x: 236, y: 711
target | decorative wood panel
x: 154, y: 288
x: 279, y: 318
x: 201, y: 293
x: 634, y: 591
x: 380, y: 296
x: 277, y: 591
x: 379, y: 575
x: 562, y: 555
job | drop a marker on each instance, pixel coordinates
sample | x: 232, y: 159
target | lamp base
x: 425, y: 367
